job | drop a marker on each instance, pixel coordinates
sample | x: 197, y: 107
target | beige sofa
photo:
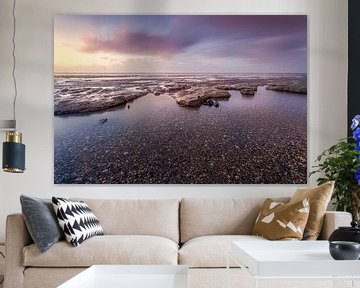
x: 194, y: 232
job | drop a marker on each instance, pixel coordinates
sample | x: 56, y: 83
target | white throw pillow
x: 76, y: 220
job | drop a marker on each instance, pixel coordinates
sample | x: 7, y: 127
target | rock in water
x: 96, y: 99
x: 209, y: 102
x: 102, y: 121
x: 290, y: 87
x: 216, y: 93
x: 216, y: 104
x: 188, y: 99
x: 248, y: 91
x: 200, y: 95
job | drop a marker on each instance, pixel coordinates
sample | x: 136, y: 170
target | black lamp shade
x: 13, y: 157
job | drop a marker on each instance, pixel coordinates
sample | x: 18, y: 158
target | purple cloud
x: 247, y: 26
x: 266, y: 41
x: 186, y: 31
x: 129, y: 42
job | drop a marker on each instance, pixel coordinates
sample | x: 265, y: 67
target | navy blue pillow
x: 41, y: 221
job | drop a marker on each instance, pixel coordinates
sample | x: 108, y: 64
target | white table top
x: 291, y: 259
x: 131, y: 276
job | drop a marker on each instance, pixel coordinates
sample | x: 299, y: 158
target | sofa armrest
x: 333, y: 220
x: 17, y: 237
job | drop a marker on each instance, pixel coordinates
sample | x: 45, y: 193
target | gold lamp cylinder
x: 13, y: 136
x: 13, y: 153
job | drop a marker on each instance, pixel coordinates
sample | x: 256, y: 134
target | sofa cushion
x: 279, y: 221
x: 107, y: 249
x: 211, y: 251
x: 41, y: 221
x: 158, y: 217
x: 76, y: 220
x: 319, y: 198
x: 201, y: 217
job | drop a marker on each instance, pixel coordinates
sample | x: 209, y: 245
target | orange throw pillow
x: 279, y: 221
x: 319, y: 198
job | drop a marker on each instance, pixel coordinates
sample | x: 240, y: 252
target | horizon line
x: 151, y: 73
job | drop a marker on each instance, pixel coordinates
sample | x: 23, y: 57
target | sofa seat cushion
x: 211, y: 251
x: 107, y: 249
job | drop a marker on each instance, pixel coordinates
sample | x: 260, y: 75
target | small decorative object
x: 344, y: 250
x: 341, y: 163
x: 351, y: 233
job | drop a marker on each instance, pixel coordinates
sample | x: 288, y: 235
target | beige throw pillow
x: 279, y: 221
x: 319, y: 198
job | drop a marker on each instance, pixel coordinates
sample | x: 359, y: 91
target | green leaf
x: 339, y: 163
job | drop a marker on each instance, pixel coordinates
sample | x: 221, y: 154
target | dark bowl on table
x: 344, y: 250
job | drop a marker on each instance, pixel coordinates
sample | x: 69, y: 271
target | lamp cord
x: 14, y: 60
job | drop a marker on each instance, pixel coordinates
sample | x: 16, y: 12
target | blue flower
x: 355, y: 122
x: 357, y: 176
x: 357, y: 147
x: 356, y: 134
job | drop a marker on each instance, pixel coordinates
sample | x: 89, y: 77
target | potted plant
x: 341, y: 163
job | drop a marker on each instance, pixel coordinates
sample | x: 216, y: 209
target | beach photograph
x: 180, y: 99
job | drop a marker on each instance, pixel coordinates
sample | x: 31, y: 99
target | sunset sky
x: 180, y: 44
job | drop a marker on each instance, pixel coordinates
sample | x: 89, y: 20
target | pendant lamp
x: 13, y: 160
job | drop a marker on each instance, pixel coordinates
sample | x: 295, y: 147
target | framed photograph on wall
x: 180, y: 99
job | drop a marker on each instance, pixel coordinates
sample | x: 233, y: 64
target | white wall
x: 327, y: 89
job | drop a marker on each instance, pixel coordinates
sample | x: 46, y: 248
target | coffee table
x: 292, y: 260
x: 131, y: 276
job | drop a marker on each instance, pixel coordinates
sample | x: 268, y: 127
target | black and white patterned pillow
x: 77, y: 220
